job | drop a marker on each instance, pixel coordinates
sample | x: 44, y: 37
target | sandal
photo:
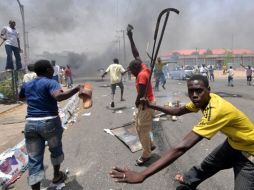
x: 153, y: 147
x: 61, y: 178
x: 179, y: 178
x: 141, y: 161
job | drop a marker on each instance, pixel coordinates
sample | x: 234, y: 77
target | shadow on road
x: 71, y: 184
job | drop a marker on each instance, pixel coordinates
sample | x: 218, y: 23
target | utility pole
x: 24, y: 32
x: 124, y: 48
x: 118, y: 47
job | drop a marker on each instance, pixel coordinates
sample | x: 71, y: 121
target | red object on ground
x: 86, y: 95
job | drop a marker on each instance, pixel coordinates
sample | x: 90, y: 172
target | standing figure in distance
x: 211, y: 73
x: 56, y: 70
x: 230, y: 72
x: 30, y: 75
x: 249, y: 72
x: 68, y: 76
x: 12, y: 44
x: 159, y: 75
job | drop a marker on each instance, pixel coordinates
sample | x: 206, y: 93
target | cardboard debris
x: 128, y: 135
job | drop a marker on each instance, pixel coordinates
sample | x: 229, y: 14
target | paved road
x: 90, y: 153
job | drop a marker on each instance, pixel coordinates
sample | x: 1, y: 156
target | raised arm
x: 134, y: 49
x: 243, y: 66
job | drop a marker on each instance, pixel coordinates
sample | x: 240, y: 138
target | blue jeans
x: 222, y: 157
x: 9, y: 62
x: 69, y: 81
x: 160, y: 77
x: 36, y: 133
x: 56, y: 78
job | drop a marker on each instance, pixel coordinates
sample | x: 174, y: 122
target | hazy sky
x: 89, y: 28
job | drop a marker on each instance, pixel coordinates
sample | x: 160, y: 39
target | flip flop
x: 179, y: 178
x: 86, y: 95
x: 141, y: 161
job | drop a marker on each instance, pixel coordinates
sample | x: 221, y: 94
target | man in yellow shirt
x: 159, y: 75
x: 236, y: 152
x: 116, y: 71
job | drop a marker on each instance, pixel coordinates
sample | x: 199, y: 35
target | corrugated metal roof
x: 202, y: 51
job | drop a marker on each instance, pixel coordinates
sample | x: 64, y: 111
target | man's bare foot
x: 179, y: 178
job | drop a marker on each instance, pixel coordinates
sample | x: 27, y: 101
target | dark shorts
x: 113, y: 87
x: 249, y: 78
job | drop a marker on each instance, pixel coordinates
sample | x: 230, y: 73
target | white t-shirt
x: 56, y: 70
x: 11, y: 36
x: 230, y: 72
x: 203, y: 71
x: 115, y: 71
x: 29, y: 76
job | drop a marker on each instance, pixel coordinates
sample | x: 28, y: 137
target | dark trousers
x: 222, y: 157
x: 9, y: 62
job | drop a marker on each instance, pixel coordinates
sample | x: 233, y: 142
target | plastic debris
x: 174, y: 118
x: 119, y: 111
x: 108, y: 131
x: 86, y: 114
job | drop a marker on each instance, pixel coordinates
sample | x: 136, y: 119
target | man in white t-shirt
x: 230, y: 72
x: 116, y: 71
x: 203, y: 70
x: 56, y: 70
x: 12, y: 44
x: 30, y: 75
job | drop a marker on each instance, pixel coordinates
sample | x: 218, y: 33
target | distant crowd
x: 62, y: 74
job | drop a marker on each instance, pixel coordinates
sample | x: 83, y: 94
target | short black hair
x: 41, y: 67
x: 53, y: 62
x: 30, y: 67
x: 12, y: 21
x: 115, y: 60
x: 135, y: 65
x: 200, y: 77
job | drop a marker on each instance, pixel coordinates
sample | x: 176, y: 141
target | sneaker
x: 112, y: 104
x: 122, y: 99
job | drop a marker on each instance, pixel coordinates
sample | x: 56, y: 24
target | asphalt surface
x: 90, y: 152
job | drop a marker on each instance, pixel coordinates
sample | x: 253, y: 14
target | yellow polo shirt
x: 220, y: 115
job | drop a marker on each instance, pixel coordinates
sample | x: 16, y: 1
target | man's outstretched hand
x: 126, y: 176
x: 129, y: 30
